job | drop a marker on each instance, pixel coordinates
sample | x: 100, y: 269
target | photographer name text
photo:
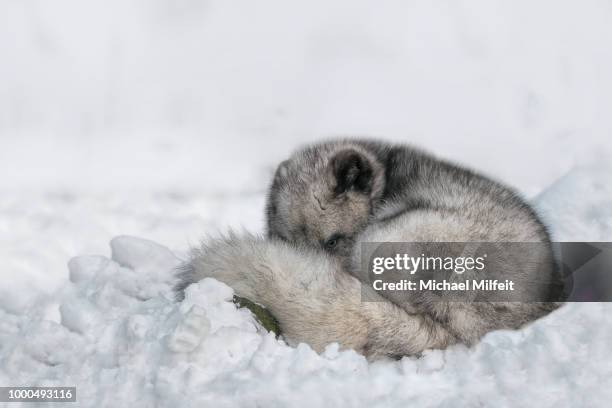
x: 445, y: 285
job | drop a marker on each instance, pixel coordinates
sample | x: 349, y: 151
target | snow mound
x: 578, y: 205
x: 123, y: 341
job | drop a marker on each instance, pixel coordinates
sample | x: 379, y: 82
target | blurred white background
x: 165, y: 118
x: 102, y: 93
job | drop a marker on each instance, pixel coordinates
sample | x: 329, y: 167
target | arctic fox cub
x: 326, y: 200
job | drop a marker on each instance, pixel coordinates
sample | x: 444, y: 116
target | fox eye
x: 333, y: 241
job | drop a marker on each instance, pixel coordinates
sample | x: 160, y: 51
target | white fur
x: 313, y: 299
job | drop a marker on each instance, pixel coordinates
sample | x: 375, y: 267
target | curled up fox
x: 329, y: 198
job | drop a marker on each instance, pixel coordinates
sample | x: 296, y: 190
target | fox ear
x: 352, y: 170
x: 281, y: 171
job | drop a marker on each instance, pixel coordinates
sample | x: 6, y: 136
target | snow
x: 164, y: 120
x: 577, y: 206
x: 121, y: 339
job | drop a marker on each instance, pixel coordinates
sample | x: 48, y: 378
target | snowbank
x: 121, y: 339
x: 578, y: 206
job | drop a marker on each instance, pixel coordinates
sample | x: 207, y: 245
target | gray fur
x: 327, y: 199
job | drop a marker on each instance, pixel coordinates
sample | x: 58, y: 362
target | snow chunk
x: 80, y: 315
x: 141, y: 254
x: 190, y: 332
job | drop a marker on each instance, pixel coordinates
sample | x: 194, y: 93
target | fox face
x: 323, y: 196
